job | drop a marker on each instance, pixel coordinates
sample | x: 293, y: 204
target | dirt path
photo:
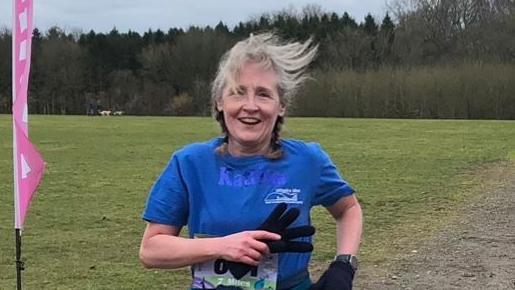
x: 477, y: 251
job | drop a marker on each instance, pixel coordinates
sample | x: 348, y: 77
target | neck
x: 240, y: 150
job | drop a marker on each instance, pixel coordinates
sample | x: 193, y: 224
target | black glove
x: 339, y: 276
x: 278, y: 222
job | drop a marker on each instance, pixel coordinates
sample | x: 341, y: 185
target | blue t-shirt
x: 219, y: 195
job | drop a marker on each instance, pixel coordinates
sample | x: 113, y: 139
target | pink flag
x: 28, y: 164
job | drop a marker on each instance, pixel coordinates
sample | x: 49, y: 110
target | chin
x: 249, y: 140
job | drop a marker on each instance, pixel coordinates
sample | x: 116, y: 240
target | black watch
x: 349, y: 259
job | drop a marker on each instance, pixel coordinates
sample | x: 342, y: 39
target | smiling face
x: 250, y: 108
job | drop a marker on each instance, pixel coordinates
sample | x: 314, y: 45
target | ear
x: 282, y: 110
x: 219, y: 105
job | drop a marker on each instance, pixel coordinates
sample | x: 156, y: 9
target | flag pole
x: 17, y: 233
x: 20, y: 266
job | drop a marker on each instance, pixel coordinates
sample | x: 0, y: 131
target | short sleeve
x: 167, y: 201
x: 330, y: 185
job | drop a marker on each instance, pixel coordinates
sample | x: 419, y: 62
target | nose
x: 250, y: 104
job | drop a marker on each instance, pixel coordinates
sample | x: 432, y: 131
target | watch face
x: 354, y: 262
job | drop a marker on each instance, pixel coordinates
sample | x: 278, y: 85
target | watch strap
x: 349, y: 259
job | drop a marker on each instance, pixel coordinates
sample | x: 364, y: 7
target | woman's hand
x: 246, y: 247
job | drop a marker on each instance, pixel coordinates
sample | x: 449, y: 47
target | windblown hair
x: 288, y: 59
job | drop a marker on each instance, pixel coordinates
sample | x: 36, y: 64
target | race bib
x: 209, y: 275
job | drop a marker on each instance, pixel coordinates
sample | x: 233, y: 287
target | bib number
x: 210, y: 274
x: 221, y: 267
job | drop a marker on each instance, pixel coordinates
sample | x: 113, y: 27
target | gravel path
x: 477, y: 251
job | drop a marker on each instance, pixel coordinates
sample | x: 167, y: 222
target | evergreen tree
x: 264, y: 22
x: 348, y: 21
x: 387, y: 24
x: 221, y: 28
x: 386, y: 39
x: 159, y: 36
x: 173, y: 33
x: 370, y: 27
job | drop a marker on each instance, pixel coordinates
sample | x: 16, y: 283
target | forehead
x: 252, y: 74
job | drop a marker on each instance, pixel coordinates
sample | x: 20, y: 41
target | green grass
x: 83, y: 229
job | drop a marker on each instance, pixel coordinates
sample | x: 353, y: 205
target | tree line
x: 423, y: 59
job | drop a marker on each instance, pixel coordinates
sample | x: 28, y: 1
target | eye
x: 264, y: 95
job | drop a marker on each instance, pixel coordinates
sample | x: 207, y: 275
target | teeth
x: 250, y: 120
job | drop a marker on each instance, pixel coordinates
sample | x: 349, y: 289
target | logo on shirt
x: 244, y: 178
x: 286, y: 195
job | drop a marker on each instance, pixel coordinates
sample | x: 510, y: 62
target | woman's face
x: 251, y: 108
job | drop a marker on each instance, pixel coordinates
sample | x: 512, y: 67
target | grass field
x: 83, y: 229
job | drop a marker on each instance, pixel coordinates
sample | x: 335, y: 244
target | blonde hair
x: 288, y: 59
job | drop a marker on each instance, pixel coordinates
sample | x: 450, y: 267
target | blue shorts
x: 304, y: 285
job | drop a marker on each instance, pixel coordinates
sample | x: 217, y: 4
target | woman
x: 225, y: 188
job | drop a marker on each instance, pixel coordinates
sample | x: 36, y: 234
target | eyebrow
x: 258, y: 89
x: 241, y: 88
x: 267, y: 90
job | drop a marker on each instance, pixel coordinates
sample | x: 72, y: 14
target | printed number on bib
x: 209, y: 275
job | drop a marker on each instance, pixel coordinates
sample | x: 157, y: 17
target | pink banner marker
x: 28, y: 164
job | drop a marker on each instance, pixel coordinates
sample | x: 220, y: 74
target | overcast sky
x: 140, y: 15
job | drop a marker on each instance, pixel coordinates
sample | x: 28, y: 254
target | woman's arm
x: 161, y: 247
x: 347, y: 213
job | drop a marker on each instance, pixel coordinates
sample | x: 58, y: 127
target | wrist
x: 215, y: 248
x: 348, y: 259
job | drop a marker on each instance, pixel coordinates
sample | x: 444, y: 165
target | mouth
x: 249, y: 120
